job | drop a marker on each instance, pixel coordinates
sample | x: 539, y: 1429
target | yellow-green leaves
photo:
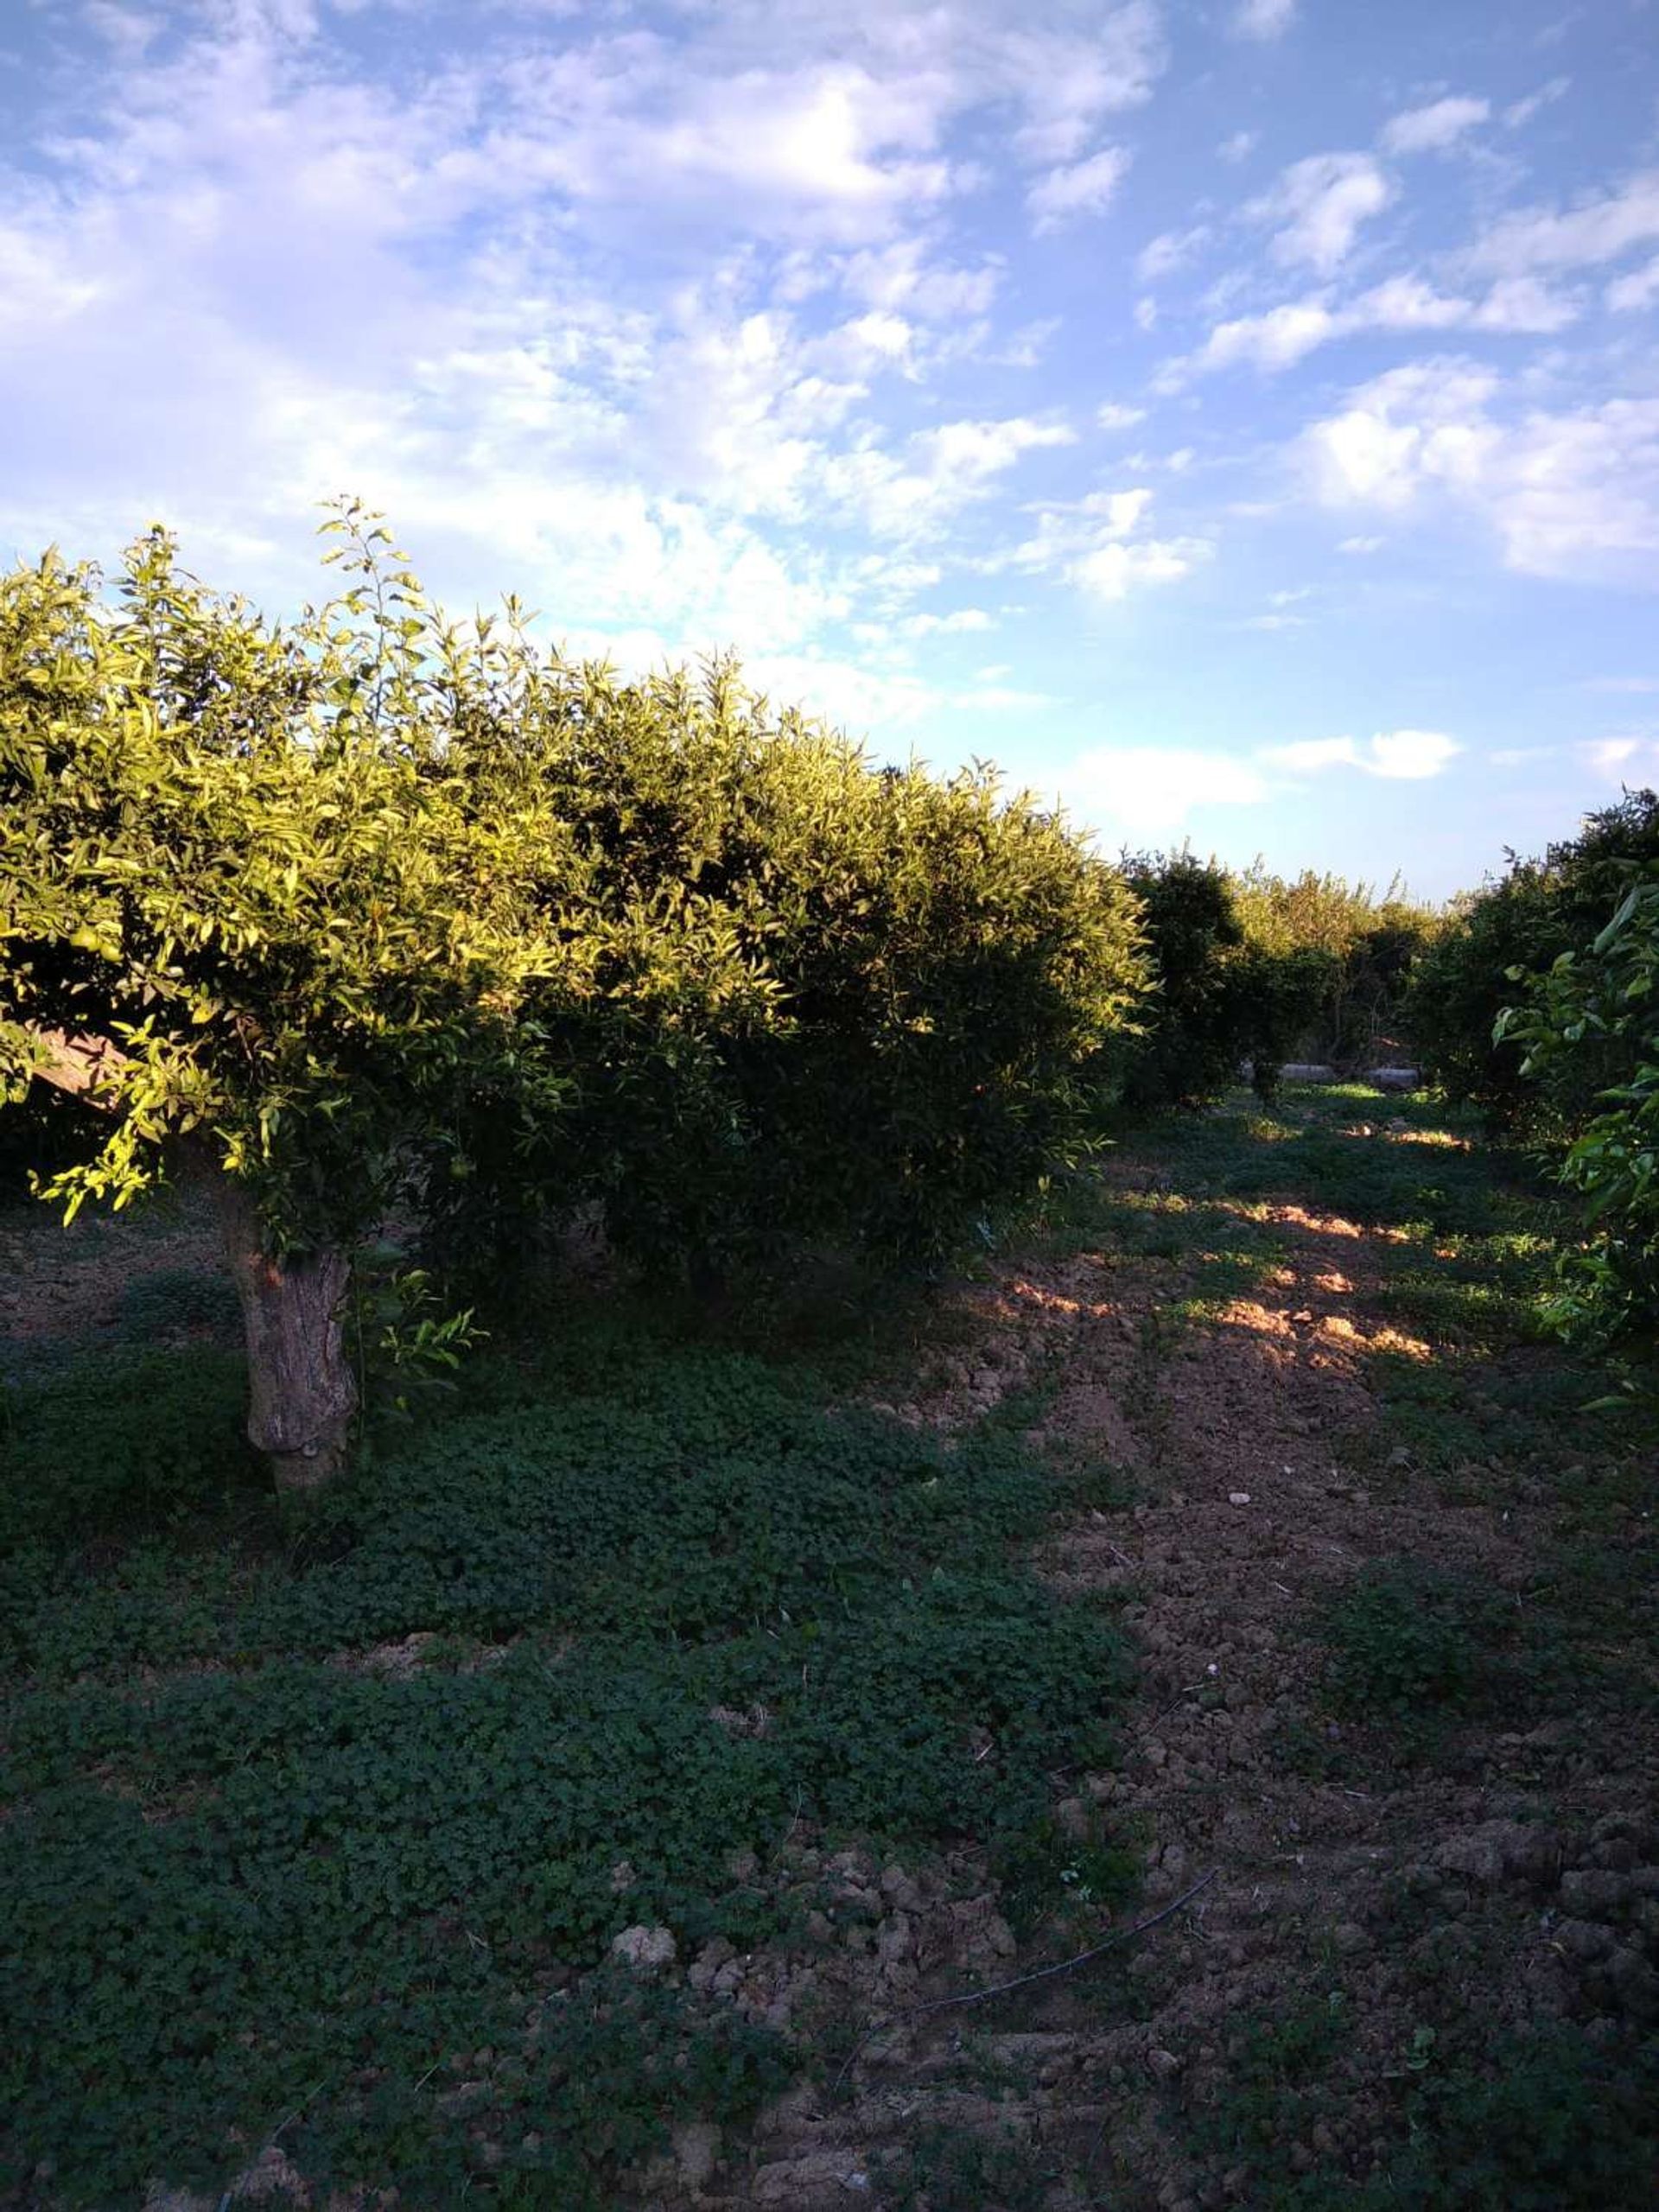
x: 390, y: 904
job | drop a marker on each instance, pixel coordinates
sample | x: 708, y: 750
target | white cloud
x: 1146, y: 314
x: 941, y: 471
x: 1521, y: 112
x: 1135, y: 791
x: 1263, y: 19
x: 961, y: 618
x: 1399, y: 755
x: 1112, y: 415
x: 1639, y: 290
x: 819, y: 150
x: 1572, y: 495
x: 900, y: 274
x: 1435, y: 128
x: 1026, y: 348
x: 1004, y: 699
x: 1598, y: 231
x: 631, y: 298
x: 1274, y: 341
x: 1319, y: 205
x: 1066, y: 79
x: 1095, y: 544
x: 970, y: 453
x: 1625, y: 684
x: 127, y: 32
x: 1523, y: 304
x: 1063, y: 532
x: 1083, y: 188
x: 1425, y: 423
x: 1620, y: 760
x: 870, y: 344
x: 1169, y: 251
x: 1360, y: 546
x: 1111, y: 571
x: 849, y: 694
x: 1406, y: 303
x: 1239, y: 147
x: 1284, y: 335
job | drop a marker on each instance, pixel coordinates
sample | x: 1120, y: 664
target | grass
x: 247, y: 1880
x: 1412, y: 1645
x: 949, y: 2169
x: 1534, y: 2120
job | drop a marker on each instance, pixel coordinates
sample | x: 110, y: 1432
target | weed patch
x: 282, y: 1882
x: 1278, y: 2071
x: 959, y: 2170
x: 1547, y: 2123
x: 1411, y: 1645
x: 127, y: 1436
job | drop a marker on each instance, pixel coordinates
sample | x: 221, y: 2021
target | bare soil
x: 1513, y: 1879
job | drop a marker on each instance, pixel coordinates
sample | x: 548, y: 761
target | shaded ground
x: 1390, y: 1591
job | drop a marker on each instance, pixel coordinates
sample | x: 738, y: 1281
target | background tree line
x: 376, y: 910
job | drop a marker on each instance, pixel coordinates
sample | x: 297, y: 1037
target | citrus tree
x: 1342, y: 956
x: 374, y: 908
x: 1521, y: 922
x: 886, y: 994
x: 1250, y: 967
x: 246, y: 915
x: 1594, y: 1017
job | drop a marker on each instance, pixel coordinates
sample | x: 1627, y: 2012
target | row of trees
x: 1535, y: 999
x: 374, y: 910
x: 1254, y: 970
x: 1539, y: 1004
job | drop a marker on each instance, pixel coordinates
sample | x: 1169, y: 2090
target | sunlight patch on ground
x: 1436, y: 1140
x: 1055, y: 1301
x: 1321, y: 1224
x: 1333, y: 1329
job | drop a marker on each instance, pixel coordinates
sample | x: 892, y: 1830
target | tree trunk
x: 301, y: 1392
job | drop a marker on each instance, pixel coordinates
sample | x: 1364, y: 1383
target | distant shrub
x: 1462, y: 986
x: 1256, y: 968
x: 1198, y: 1023
x: 1345, y: 955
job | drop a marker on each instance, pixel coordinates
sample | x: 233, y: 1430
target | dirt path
x: 1378, y: 1917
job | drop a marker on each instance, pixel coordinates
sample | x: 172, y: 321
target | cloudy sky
x: 1238, y: 416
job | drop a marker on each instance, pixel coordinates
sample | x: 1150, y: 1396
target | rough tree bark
x: 301, y: 1394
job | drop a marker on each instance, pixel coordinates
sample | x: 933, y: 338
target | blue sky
x: 1241, y: 419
